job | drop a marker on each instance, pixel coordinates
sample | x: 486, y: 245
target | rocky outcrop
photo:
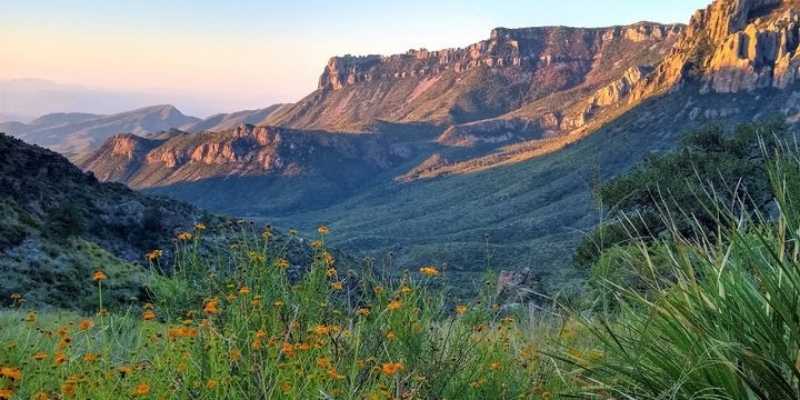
x: 486, y: 79
x: 492, y: 132
x: 244, y: 151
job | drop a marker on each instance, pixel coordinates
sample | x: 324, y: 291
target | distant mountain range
x: 482, y: 155
x: 76, y: 135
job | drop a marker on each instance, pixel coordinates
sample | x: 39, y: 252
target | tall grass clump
x: 720, y: 318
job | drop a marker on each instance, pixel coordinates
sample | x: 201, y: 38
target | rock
x: 518, y: 287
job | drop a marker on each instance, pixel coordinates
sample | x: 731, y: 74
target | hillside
x: 224, y: 122
x: 514, y: 179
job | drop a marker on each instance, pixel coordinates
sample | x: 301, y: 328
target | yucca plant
x: 724, y: 322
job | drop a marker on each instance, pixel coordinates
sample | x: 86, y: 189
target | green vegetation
x: 707, y: 308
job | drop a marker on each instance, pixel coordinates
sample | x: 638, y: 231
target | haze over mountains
x: 449, y: 155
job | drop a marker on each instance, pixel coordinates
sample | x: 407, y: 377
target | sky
x: 219, y: 56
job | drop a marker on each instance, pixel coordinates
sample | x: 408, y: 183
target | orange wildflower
x: 461, y: 309
x: 86, y: 324
x: 185, y: 236
x: 287, y: 349
x: 391, y: 368
x: 323, y: 230
x: 99, y: 276
x: 211, y: 307
x: 15, y: 374
x: 394, y: 305
x: 153, y: 255
x: 364, y: 312
x: 282, y: 263
x: 244, y: 291
x: 429, y: 271
x: 182, y: 332
x: 6, y: 394
x: 141, y: 390
x: 235, y: 355
x: 148, y: 315
x: 212, y: 384
x: 69, y: 387
x: 338, y: 285
x: 90, y: 357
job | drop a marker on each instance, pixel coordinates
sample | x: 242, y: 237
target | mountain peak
x: 165, y: 111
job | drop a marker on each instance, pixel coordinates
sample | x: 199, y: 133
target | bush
x: 66, y: 221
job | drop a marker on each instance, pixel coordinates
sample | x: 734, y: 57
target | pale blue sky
x: 252, y: 53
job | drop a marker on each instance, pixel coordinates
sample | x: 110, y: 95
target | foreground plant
x: 243, y: 328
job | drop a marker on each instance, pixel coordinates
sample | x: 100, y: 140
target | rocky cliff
x: 483, y: 80
x: 244, y: 151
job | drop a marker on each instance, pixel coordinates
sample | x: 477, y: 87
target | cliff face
x: 483, y: 80
x: 243, y: 151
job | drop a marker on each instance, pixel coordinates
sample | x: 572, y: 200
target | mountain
x: 501, y: 140
x: 486, y: 79
x: 223, y: 122
x: 76, y: 134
